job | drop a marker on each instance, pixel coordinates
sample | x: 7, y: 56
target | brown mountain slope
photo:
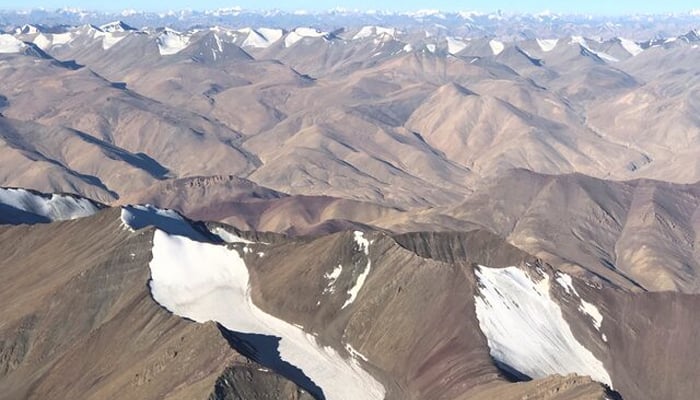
x: 78, y: 321
x: 638, y: 234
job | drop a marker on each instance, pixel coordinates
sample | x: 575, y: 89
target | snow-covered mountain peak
x: 301, y: 33
x: 261, y: 37
x: 172, y: 42
x: 373, y: 30
x: 27, y: 29
x: 116, y: 26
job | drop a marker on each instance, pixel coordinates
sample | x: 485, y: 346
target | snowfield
x: 525, y: 328
x: 20, y: 206
x: 369, y: 31
x: 300, y: 33
x: 496, y: 47
x: 171, y: 42
x: 455, y: 45
x: 209, y: 282
x: 547, y: 45
x: 10, y: 45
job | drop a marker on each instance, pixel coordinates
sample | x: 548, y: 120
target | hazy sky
x: 577, y: 6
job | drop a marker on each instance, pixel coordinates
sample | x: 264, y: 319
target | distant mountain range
x: 507, y: 26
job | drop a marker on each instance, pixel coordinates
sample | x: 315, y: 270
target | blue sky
x: 609, y: 7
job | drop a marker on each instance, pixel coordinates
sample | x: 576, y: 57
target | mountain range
x: 249, y: 205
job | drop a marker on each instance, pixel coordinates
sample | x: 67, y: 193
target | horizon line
x: 694, y: 12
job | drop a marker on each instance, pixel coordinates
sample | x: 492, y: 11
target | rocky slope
x: 85, y: 322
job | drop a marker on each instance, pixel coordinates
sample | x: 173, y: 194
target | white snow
x: 582, y: 42
x: 138, y: 216
x: 565, y: 281
x: 171, y: 42
x: 361, y: 242
x: 496, y: 47
x: 229, y: 237
x: 369, y: 31
x: 579, y: 40
x: 455, y: 45
x: 141, y: 216
x: 547, y: 44
x: 301, y: 33
x: 408, y: 48
x: 109, y: 39
x: 10, y: 44
x: 430, y: 47
x: 351, y: 350
x: 271, y: 34
x: 592, y: 311
x: 207, y: 282
x: 26, y: 206
x: 261, y: 38
x: 363, y: 245
x: 525, y: 328
x: 42, y: 41
x: 332, y: 277
x: 61, y: 38
x: 116, y: 26
x: 29, y: 29
x: 631, y: 47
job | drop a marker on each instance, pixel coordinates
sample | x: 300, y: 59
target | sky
x: 599, y: 7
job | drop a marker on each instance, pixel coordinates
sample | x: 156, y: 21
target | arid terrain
x: 467, y: 210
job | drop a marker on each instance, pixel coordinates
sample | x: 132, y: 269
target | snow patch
x: 208, y: 282
x: 363, y: 244
x: 332, y: 277
x: 455, y: 45
x: 58, y: 39
x: 271, y: 34
x: 109, y: 39
x: 354, y: 353
x: 547, y: 45
x: 582, y: 42
x: 229, y: 237
x: 42, y: 41
x: 300, y: 33
x: 496, y: 47
x: 141, y: 216
x: 565, y: 281
x: 262, y: 38
x: 10, y: 44
x: 20, y: 206
x: 369, y: 31
x: 171, y: 42
x: 430, y: 47
x: 116, y: 26
x: 631, y: 47
x: 28, y: 29
x: 525, y: 328
x: 593, y: 312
